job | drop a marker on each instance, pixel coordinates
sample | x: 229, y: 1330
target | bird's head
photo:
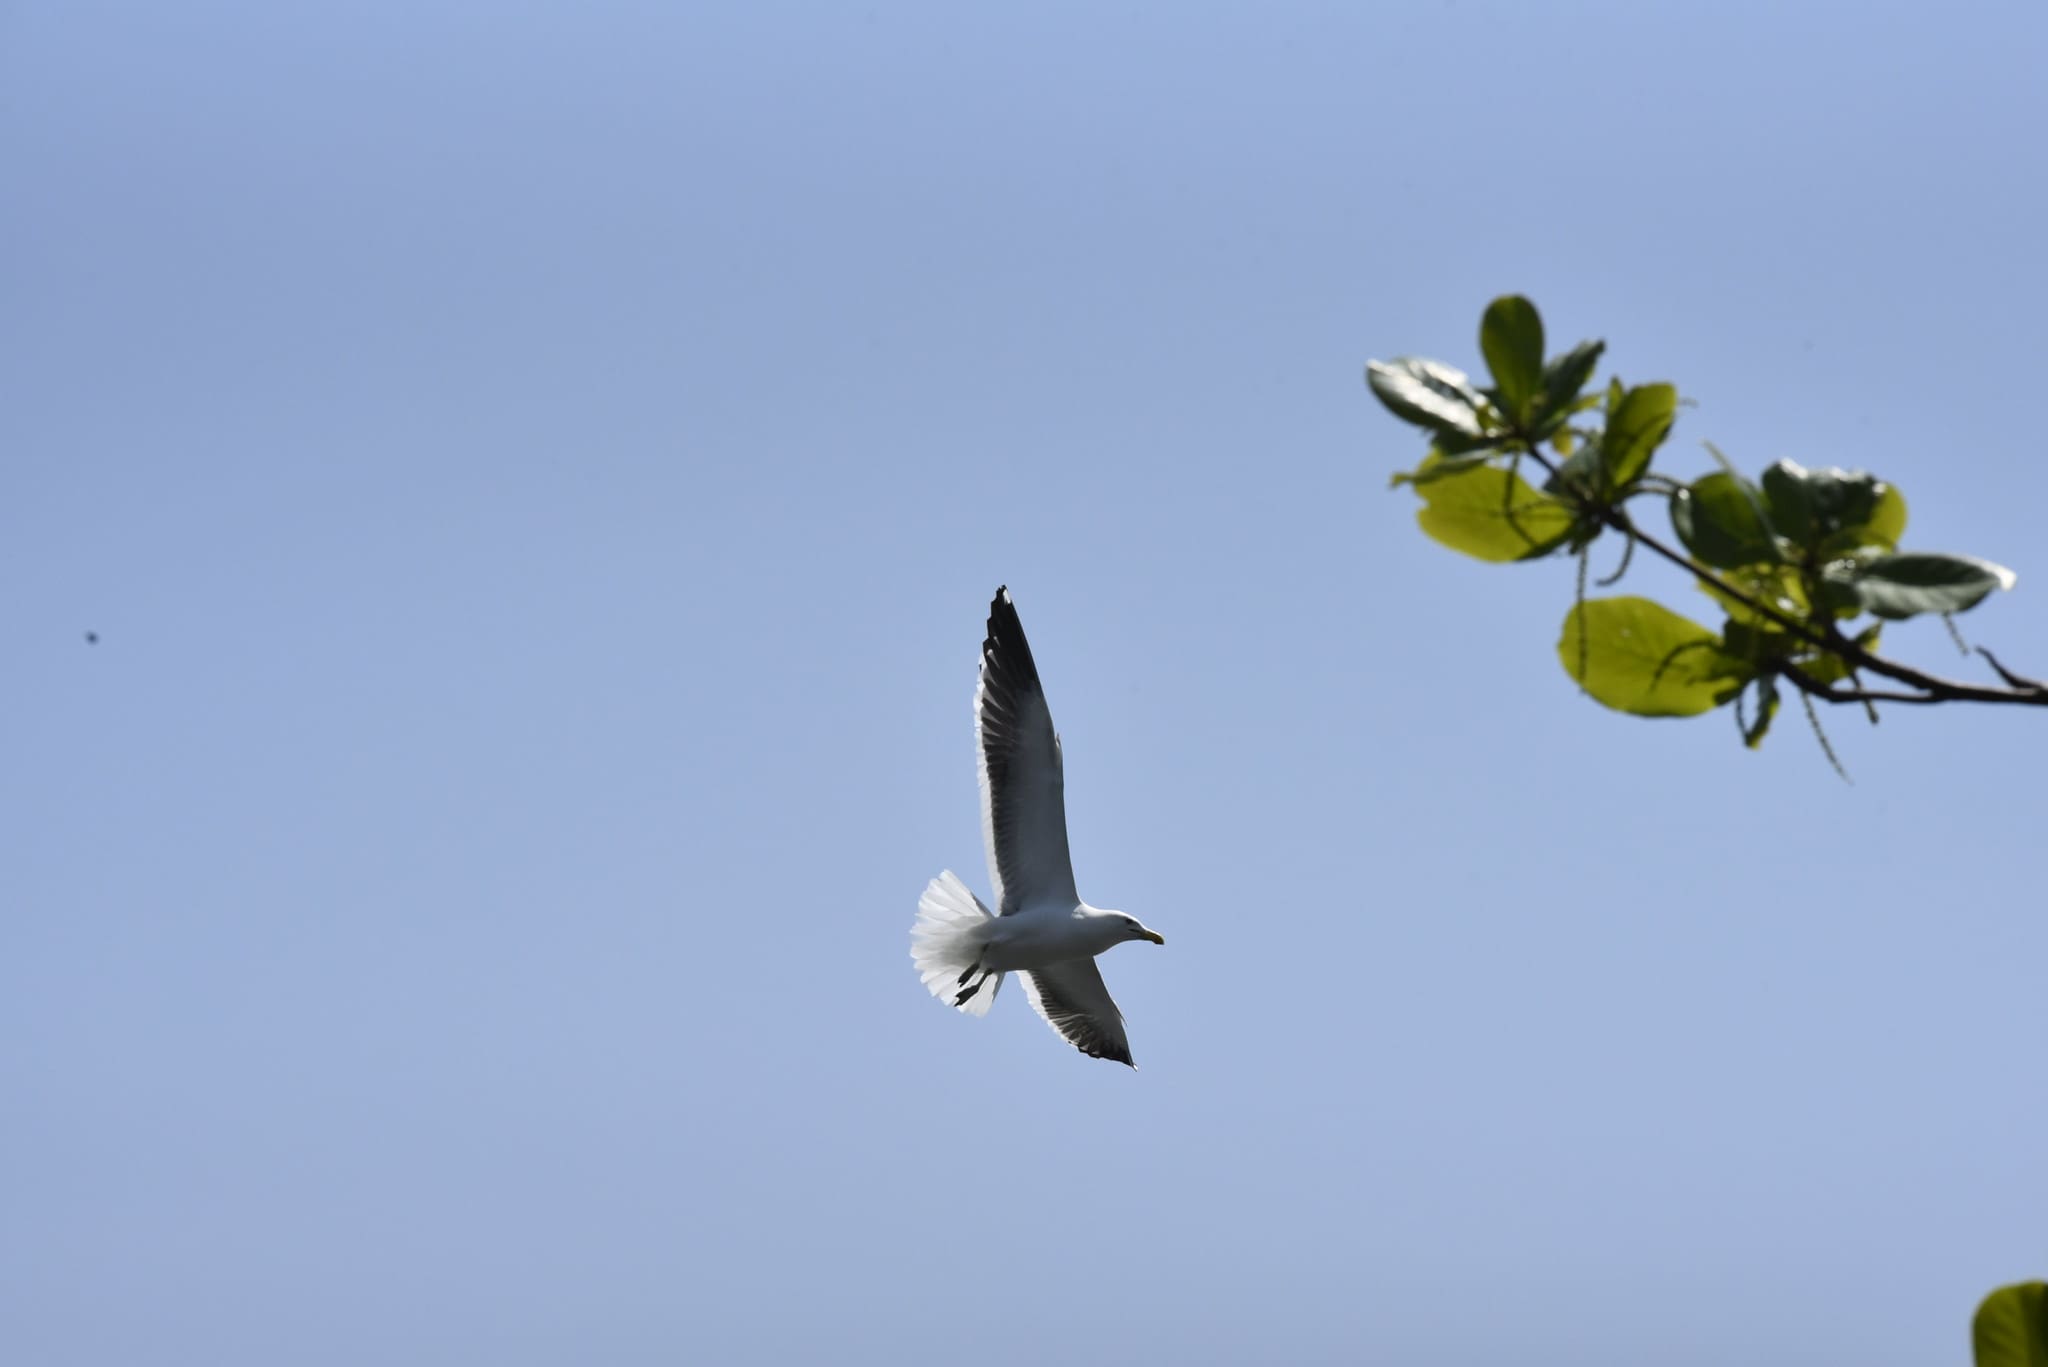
x: 1133, y: 930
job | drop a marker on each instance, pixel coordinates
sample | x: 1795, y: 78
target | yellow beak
x: 1154, y: 936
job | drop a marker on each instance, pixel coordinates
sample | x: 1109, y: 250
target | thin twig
x: 2019, y: 681
x: 1579, y: 613
x: 1813, y: 720
x: 1628, y: 553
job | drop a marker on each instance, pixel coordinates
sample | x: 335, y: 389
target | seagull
x: 1043, y: 931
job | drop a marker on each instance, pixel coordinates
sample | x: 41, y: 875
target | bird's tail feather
x: 946, y: 943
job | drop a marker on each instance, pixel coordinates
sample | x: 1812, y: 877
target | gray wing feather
x: 1072, y: 998
x: 1023, y: 781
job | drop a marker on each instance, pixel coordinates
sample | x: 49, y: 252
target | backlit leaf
x: 1643, y: 658
x: 1635, y: 429
x: 1491, y: 514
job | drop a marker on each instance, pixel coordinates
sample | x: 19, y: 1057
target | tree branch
x: 1828, y: 692
x: 1933, y: 688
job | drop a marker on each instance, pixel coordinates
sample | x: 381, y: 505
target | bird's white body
x: 1045, y: 932
x: 1048, y: 934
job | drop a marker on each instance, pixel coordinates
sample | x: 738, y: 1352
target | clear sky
x: 537, y: 474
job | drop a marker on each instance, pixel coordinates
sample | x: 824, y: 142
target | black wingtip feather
x: 1005, y: 647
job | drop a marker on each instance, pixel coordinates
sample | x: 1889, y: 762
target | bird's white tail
x: 946, y: 944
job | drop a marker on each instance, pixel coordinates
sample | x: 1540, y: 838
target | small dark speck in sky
x: 92, y: 638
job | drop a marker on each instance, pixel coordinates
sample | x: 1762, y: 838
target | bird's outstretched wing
x: 1071, y: 997
x: 1023, y: 787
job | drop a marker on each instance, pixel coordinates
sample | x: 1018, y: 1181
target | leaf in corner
x: 2011, y: 1327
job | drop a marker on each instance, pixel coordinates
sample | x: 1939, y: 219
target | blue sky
x: 537, y: 475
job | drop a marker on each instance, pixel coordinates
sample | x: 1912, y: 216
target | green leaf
x: 1838, y: 592
x: 1511, y: 337
x: 1643, y: 658
x: 1429, y: 394
x: 1887, y: 521
x: 1720, y: 519
x: 1563, y: 378
x: 1787, y: 501
x: 2011, y: 1327
x: 1578, y: 475
x: 1833, y: 511
x: 1491, y: 514
x: 1635, y: 429
x: 1904, y: 585
x: 1777, y: 586
x: 1843, y: 499
x: 1436, y: 465
x: 1583, y: 474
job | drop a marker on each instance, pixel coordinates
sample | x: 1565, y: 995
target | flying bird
x: 1042, y: 930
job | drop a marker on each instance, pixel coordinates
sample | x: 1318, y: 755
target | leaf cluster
x: 1805, y: 564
